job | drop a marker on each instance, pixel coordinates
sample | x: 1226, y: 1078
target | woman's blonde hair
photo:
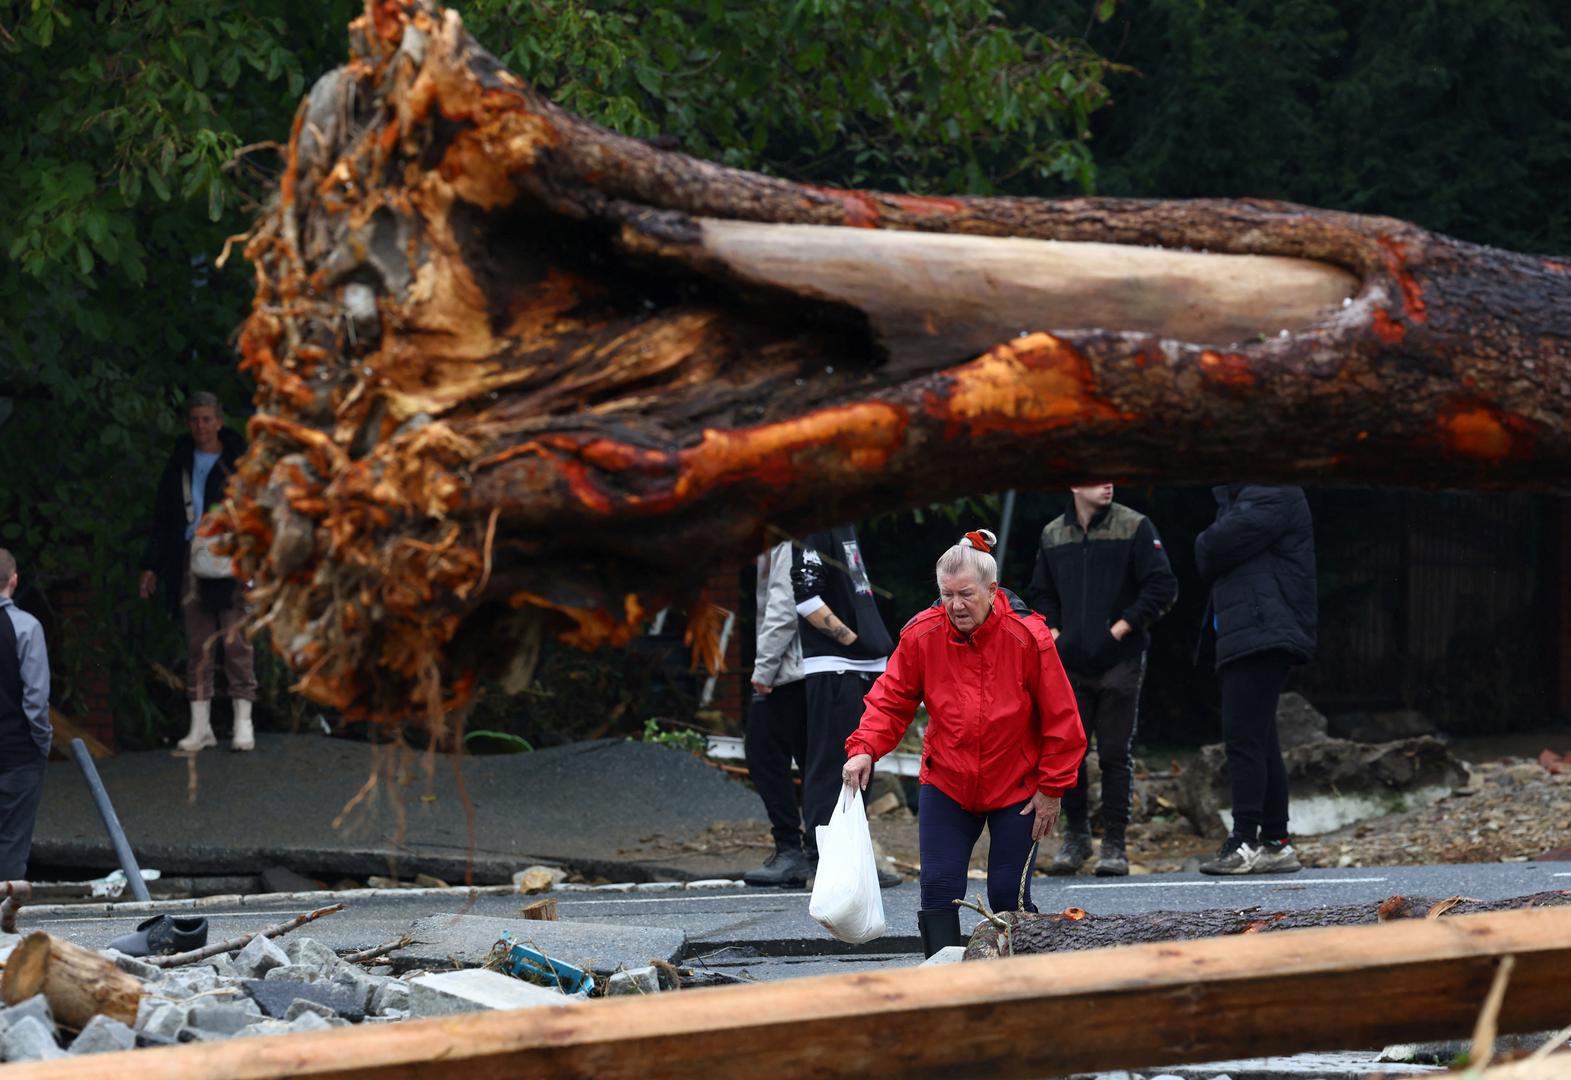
x: 971, y: 556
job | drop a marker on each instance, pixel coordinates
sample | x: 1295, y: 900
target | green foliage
x: 1455, y: 114
x: 122, y: 120
x: 694, y: 742
x: 946, y: 95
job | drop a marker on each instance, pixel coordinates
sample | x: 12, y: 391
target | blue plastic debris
x: 532, y: 965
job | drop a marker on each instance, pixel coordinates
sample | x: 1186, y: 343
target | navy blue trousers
x: 947, y: 833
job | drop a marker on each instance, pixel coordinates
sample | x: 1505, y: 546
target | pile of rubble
x: 270, y: 989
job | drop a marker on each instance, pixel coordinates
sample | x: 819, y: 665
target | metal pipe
x: 106, y: 810
x: 1006, y: 520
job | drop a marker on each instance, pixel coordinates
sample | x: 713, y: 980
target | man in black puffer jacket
x: 1101, y: 580
x: 1259, y: 559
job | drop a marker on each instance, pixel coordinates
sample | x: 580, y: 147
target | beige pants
x: 204, y: 632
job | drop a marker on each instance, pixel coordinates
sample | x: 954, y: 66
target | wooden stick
x: 1031, y: 1016
x: 78, y: 983
x: 379, y: 950
x: 235, y: 944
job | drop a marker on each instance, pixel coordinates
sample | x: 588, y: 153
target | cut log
x: 78, y: 983
x: 1074, y: 929
x: 518, y: 375
x: 1024, y: 1016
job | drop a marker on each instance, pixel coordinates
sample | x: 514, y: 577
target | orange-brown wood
x: 1021, y: 1017
x: 78, y: 983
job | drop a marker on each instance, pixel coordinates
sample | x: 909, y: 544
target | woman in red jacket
x: 1003, y: 742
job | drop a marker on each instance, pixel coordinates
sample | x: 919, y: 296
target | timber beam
x: 1025, y: 1016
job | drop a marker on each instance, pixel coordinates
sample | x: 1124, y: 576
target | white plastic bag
x: 846, y: 900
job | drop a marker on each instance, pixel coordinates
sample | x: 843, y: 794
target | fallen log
x: 1074, y: 929
x: 518, y: 375
x: 78, y: 983
x: 1023, y: 1016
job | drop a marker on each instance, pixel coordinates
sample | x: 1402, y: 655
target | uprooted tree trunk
x: 520, y: 375
x: 1074, y: 929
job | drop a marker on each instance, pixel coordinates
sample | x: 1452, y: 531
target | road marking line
x: 686, y: 899
x: 1560, y: 875
x: 1229, y: 881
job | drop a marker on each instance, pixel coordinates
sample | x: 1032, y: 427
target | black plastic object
x: 106, y: 810
x: 162, y: 935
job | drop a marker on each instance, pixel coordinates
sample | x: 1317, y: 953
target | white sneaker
x: 201, y: 734
x: 1274, y: 858
x: 245, y: 736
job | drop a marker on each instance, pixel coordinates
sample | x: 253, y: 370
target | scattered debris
x: 533, y: 966
x: 539, y: 911
x: 537, y: 879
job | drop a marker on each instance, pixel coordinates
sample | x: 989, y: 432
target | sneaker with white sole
x: 1276, y: 857
x: 1235, y: 856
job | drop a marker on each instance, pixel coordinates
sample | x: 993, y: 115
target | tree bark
x: 520, y: 375
x: 1073, y: 929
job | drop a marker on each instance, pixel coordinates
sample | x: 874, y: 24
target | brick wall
x: 1559, y: 536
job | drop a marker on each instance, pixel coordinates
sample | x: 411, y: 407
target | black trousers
x: 1250, y: 687
x: 834, y: 709
x: 21, y: 790
x: 1109, y: 708
x: 776, y: 735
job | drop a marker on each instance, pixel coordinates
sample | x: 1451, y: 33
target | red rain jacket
x: 1003, y: 719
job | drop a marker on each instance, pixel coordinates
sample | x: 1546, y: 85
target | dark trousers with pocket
x: 834, y: 709
x: 21, y: 790
x: 776, y: 736
x: 946, y: 834
x: 1250, y: 687
x: 1109, y: 708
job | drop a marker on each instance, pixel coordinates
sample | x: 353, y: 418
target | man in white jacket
x: 777, y: 721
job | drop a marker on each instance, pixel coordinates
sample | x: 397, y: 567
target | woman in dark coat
x: 1259, y: 559
x: 209, y: 608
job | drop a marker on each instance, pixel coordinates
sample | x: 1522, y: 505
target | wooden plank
x: 1031, y: 1016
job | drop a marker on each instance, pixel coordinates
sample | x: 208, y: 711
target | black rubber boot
x: 785, y: 868
x: 1075, y: 851
x: 940, y: 928
x: 1114, y: 861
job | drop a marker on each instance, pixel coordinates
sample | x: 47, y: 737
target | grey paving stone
x: 225, y: 1019
x: 275, y: 996
x: 308, y: 952
x: 301, y: 1006
x: 295, y: 973
x: 308, y: 1022
x: 949, y: 954
x: 358, y: 983
x: 260, y: 956
x: 644, y: 980
x: 393, y: 995
x: 160, y: 1018
x: 36, y: 1006
x: 103, y: 1035
x: 132, y: 965
x: 604, y: 948
x: 28, y: 1039
x: 476, y: 990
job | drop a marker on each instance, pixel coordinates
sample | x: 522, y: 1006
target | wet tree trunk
x: 518, y: 375
x: 1073, y: 929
